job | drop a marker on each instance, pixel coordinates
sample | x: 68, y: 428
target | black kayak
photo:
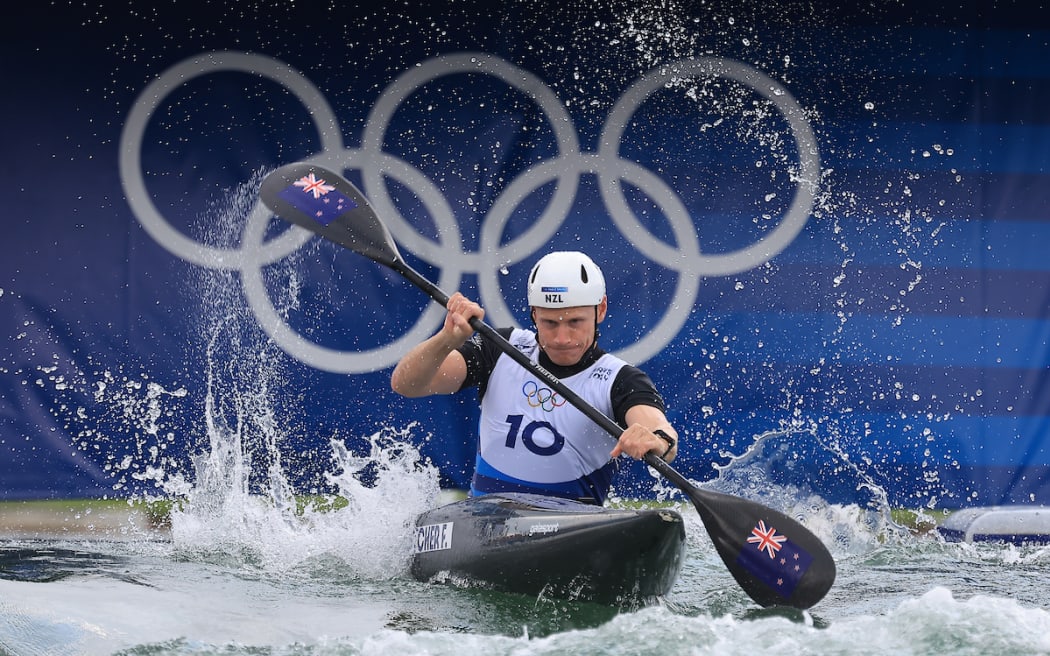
x: 539, y: 545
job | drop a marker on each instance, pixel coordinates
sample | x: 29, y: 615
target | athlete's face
x: 566, y: 333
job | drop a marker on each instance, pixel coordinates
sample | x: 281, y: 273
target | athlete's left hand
x: 638, y: 440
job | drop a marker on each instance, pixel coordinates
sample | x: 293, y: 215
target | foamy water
x: 335, y: 583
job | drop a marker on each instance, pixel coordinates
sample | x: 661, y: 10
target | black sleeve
x: 633, y: 387
x: 480, y: 356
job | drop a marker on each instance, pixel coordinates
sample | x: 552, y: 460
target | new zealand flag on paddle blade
x: 774, y: 559
x: 315, y: 198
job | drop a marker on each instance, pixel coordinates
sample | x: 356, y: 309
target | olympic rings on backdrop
x: 447, y: 254
x: 541, y: 397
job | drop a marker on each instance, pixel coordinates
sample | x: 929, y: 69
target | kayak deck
x: 535, y: 545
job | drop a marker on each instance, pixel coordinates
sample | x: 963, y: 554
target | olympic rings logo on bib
x: 541, y: 397
x: 254, y: 252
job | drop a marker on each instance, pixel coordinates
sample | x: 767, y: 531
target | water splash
x: 764, y: 473
x: 239, y: 499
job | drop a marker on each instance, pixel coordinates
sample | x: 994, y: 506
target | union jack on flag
x: 317, y: 199
x: 786, y: 564
x: 311, y: 184
x: 766, y: 539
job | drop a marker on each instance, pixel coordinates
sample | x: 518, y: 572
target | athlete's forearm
x: 419, y: 372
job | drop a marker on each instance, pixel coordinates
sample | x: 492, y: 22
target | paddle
x: 775, y: 559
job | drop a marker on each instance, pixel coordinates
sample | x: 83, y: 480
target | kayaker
x: 530, y: 439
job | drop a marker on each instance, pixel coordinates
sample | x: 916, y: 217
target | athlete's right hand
x: 460, y: 311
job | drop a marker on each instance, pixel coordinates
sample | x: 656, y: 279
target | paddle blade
x: 776, y: 560
x: 327, y: 204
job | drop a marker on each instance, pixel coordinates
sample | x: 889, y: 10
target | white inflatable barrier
x: 1014, y: 524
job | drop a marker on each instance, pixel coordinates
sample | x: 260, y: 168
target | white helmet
x: 565, y: 279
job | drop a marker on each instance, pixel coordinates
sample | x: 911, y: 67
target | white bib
x: 530, y: 433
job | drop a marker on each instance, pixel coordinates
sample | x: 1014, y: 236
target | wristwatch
x: 659, y: 432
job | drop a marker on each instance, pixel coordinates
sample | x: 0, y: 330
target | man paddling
x: 530, y: 439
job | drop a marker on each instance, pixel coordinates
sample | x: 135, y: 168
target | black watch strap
x: 659, y: 432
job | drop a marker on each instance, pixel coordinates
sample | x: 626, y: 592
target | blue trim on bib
x: 593, y: 488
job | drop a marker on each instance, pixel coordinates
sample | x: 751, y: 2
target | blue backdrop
x: 827, y: 224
